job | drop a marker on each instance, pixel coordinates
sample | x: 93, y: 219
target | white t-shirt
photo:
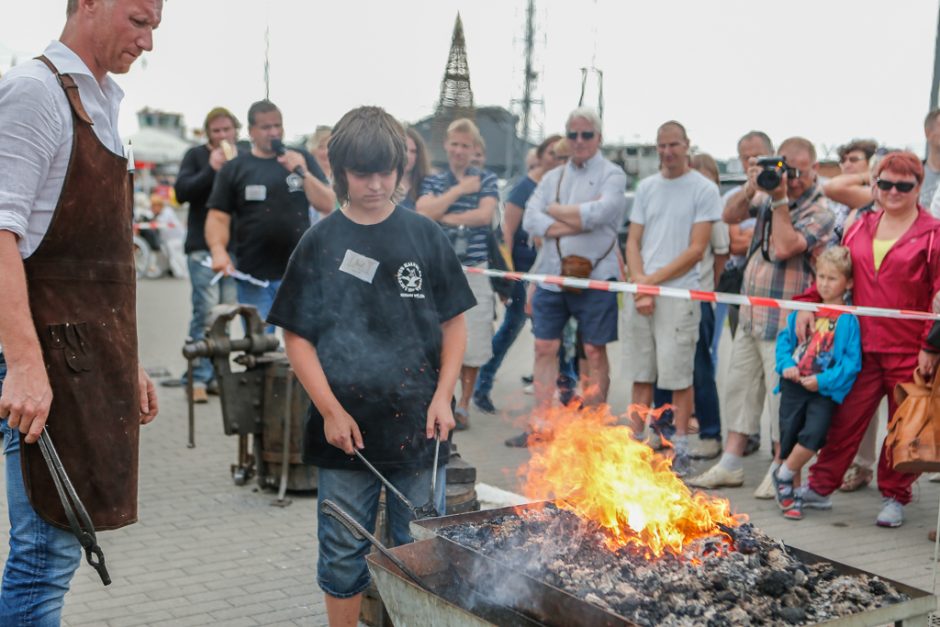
x: 668, y: 209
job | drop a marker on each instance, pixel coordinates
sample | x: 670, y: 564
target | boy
x: 815, y: 377
x: 372, y: 310
x: 463, y: 200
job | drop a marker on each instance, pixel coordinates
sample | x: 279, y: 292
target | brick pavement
x: 207, y: 552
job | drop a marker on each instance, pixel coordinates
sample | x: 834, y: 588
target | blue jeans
x: 205, y: 296
x: 341, y: 565
x: 513, y: 321
x: 42, y: 558
x: 261, y: 297
x: 703, y: 382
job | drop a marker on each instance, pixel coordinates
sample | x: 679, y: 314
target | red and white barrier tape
x: 708, y: 297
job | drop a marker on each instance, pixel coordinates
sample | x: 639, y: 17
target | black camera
x: 772, y: 169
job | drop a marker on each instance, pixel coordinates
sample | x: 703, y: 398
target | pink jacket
x: 908, y: 279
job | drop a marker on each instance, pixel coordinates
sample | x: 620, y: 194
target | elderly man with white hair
x: 577, y: 209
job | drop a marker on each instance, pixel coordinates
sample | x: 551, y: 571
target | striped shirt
x: 786, y: 278
x: 471, y: 243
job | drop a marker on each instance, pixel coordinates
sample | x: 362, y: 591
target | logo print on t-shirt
x: 409, y: 279
x: 295, y: 182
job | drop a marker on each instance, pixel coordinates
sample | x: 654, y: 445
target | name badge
x: 359, y: 266
x: 256, y: 192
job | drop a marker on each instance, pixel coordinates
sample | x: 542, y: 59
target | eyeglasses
x: 793, y: 173
x: 853, y: 159
x: 903, y: 187
x: 585, y: 135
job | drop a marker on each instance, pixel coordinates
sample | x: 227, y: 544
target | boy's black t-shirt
x: 371, y: 300
x: 270, y: 211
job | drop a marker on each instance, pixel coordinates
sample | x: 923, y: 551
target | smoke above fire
x: 595, y: 468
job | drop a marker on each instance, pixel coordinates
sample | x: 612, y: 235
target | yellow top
x: 880, y: 248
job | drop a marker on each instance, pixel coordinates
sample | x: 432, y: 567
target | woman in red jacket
x: 896, y: 265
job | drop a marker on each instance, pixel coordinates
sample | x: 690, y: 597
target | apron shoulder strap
x: 71, y: 91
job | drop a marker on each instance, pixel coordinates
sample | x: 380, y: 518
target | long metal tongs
x: 79, y: 520
x: 428, y: 510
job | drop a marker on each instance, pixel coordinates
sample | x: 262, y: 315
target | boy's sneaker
x: 483, y: 403
x: 783, y: 492
x: 795, y: 510
x: 718, y: 477
x: 815, y: 500
x: 891, y: 514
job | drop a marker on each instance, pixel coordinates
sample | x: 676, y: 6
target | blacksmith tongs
x: 79, y: 520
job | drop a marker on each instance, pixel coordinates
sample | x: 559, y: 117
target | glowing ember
x: 595, y: 468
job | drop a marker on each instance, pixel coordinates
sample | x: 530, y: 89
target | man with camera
x: 794, y: 224
x: 670, y: 227
x: 577, y: 208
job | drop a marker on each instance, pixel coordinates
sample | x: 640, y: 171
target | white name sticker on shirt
x: 359, y: 266
x: 256, y: 192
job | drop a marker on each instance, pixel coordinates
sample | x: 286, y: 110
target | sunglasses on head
x: 902, y: 186
x: 585, y: 135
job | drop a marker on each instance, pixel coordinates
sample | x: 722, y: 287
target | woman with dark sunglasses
x: 896, y: 265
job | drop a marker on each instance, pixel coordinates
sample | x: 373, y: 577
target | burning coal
x: 596, y: 469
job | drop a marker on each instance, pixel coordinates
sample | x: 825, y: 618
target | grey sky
x: 830, y: 70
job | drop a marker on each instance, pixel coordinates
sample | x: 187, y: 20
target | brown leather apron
x: 82, y: 288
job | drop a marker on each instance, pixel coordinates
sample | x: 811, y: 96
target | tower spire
x: 456, y: 100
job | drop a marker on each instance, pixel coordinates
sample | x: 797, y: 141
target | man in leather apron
x: 68, y: 332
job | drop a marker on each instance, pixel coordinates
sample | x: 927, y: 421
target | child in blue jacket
x: 815, y: 376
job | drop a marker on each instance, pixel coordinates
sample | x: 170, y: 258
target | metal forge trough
x: 467, y: 586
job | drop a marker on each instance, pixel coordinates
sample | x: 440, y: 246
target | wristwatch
x: 779, y: 203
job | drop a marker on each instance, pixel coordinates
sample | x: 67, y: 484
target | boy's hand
x: 441, y: 417
x: 342, y: 432
x: 791, y: 374
x: 810, y: 383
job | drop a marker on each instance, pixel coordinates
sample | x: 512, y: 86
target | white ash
x: 754, y: 581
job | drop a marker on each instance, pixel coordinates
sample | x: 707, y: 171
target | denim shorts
x: 595, y: 311
x: 341, y: 566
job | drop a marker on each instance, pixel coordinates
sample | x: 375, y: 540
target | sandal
x: 462, y: 418
x: 856, y: 478
x: 795, y: 511
x: 784, y: 493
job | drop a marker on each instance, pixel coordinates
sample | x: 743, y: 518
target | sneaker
x: 212, y: 387
x: 783, y: 492
x: 200, y: 395
x: 766, y: 488
x: 705, y: 449
x: 753, y: 444
x: 529, y: 389
x: 682, y: 464
x: 795, y: 509
x: 856, y: 478
x: 653, y: 440
x: 934, y: 478
x: 891, y: 514
x: 518, y: 441
x: 462, y: 418
x: 718, y: 477
x: 815, y: 500
x: 483, y: 403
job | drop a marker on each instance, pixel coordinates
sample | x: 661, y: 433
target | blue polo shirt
x: 477, y: 251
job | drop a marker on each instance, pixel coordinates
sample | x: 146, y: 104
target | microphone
x: 280, y: 149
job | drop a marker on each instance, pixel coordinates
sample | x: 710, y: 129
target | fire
x: 595, y: 468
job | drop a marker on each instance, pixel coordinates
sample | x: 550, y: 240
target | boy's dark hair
x: 262, y: 106
x: 367, y: 140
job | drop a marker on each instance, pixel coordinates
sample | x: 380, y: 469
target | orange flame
x: 595, y: 468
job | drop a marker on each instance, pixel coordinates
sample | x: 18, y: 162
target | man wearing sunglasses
x: 794, y: 225
x: 577, y: 208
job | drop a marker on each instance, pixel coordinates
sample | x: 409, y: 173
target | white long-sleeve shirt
x: 597, y: 187
x: 36, y: 138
